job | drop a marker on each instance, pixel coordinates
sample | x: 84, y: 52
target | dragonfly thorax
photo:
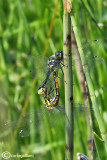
x: 51, y: 62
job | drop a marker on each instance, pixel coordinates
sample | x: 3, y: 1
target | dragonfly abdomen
x: 57, y: 92
x: 48, y: 101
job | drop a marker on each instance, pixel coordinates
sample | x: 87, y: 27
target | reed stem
x: 69, y: 121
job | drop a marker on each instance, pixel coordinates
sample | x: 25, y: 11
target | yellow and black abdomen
x: 48, y: 101
x: 57, y: 92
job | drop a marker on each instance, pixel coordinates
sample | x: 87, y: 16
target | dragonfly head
x: 42, y: 91
x: 59, y: 55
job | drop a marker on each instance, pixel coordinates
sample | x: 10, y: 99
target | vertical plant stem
x: 95, y: 104
x: 97, y: 145
x: 82, y: 79
x: 68, y: 83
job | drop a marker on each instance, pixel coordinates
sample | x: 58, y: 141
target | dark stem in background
x: 68, y: 78
x: 82, y: 79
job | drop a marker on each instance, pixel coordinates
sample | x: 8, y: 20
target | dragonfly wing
x: 78, y: 108
x: 51, y: 115
x: 39, y: 116
x: 93, y: 52
x: 45, y: 115
x: 38, y: 66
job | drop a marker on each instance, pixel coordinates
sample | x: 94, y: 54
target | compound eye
x: 57, y: 53
x: 61, y: 52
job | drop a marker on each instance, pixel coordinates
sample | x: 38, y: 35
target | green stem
x: 90, y: 86
x: 69, y: 122
x: 98, y: 145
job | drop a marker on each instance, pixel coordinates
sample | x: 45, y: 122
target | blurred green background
x: 44, y: 132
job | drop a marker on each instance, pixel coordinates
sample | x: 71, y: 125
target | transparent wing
x: 38, y: 66
x: 36, y: 117
x: 78, y: 107
x: 36, y: 61
x: 39, y: 69
x: 56, y: 114
x: 94, y: 53
x: 32, y: 118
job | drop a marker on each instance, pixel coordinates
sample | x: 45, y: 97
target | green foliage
x: 18, y: 91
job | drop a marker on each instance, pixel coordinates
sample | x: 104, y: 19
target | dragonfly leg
x: 61, y: 69
x: 62, y: 63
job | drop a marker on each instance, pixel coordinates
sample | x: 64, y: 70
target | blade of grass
x: 98, y: 146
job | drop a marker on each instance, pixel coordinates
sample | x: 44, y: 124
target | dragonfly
x: 85, y: 48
